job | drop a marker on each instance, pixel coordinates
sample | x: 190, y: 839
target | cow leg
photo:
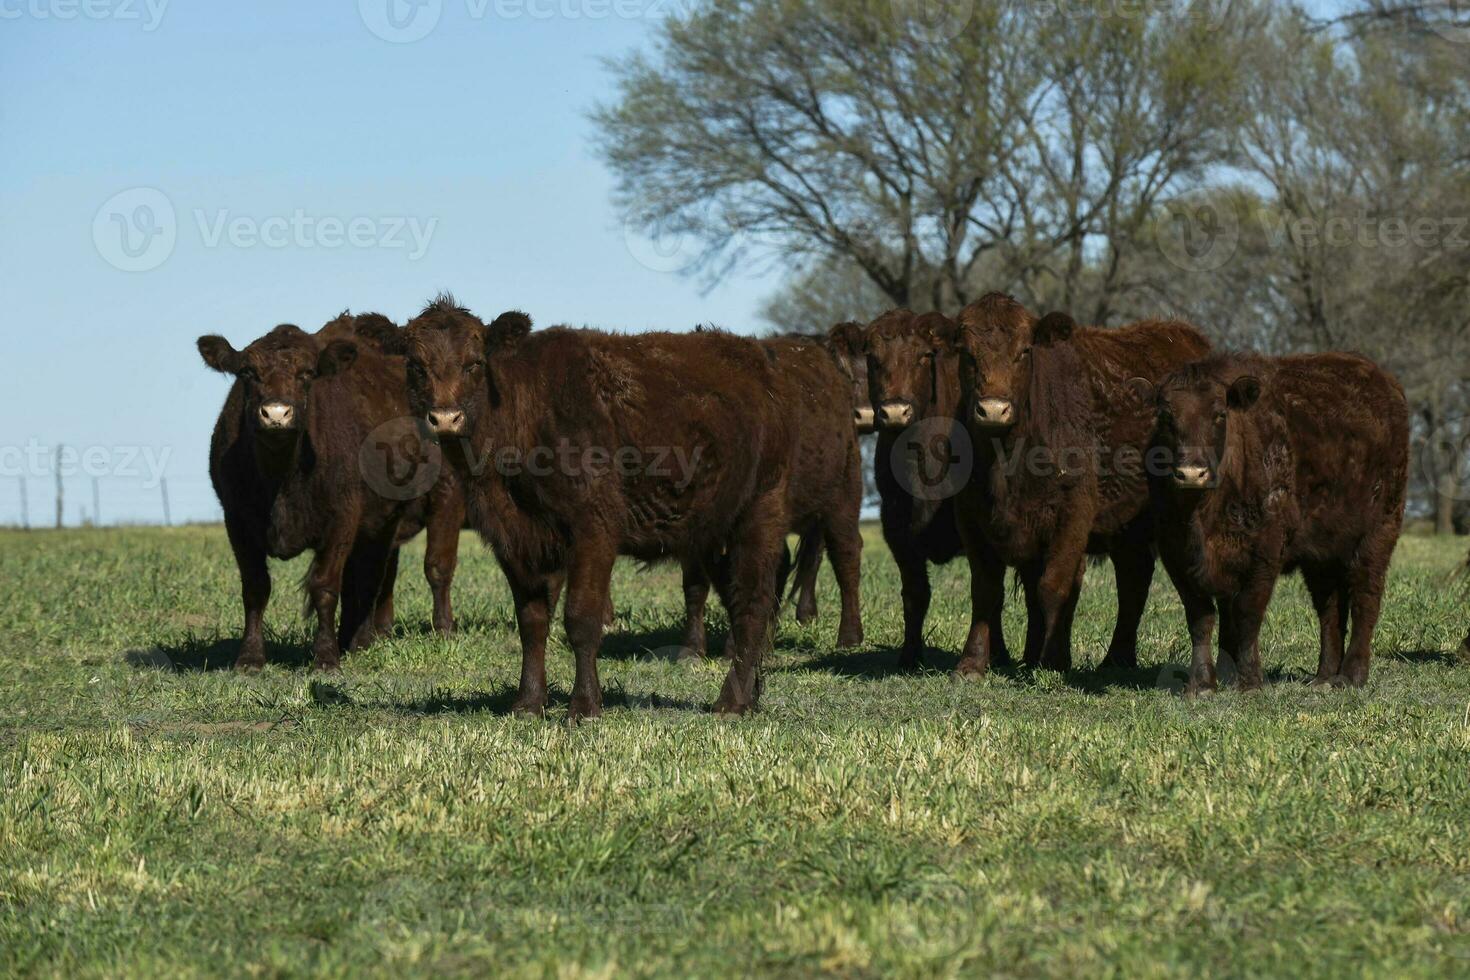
x: 324, y: 590
x: 362, y: 584
x: 845, y: 546
x: 1199, y: 613
x: 1133, y: 567
x: 255, y: 595
x: 987, y: 598
x: 1058, y: 591
x: 535, y: 599
x: 1250, y: 612
x: 441, y: 555
x: 1330, y: 600
x: 808, y: 564
x: 913, y: 572
x: 696, y: 598
x: 756, y: 549
x: 1365, y: 596
x: 383, y: 606
x: 1035, y: 618
x: 589, y: 574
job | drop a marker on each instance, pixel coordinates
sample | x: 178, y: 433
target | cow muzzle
x: 1192, y: 476
x: 995, y: 413
x: 446, y: 422
x: 864, y: 419
x: 895, y: 415
x: 277, y: 416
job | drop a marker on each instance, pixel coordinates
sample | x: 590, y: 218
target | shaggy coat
x: 1280, y: 464
x: 285, y: 463
x: 1059, y: 436
x: 914, y: 392
x: 577, y: 446
x: 815, y: 394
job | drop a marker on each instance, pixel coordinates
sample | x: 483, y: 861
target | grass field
x: 160, y: 814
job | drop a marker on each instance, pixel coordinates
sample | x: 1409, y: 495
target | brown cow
x: 1277, y: 464
x: 285, y: 463
x: 578, y: 446
x: 1059, y: 438
x: 826, y: 485
x: 441, y: 510
x: 915, y: 399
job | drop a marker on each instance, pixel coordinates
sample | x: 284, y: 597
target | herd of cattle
x: 566, y: 448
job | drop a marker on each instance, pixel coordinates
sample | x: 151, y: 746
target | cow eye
x: 474, y: 367
x: 1025, y: 353
x: 1220, y: 417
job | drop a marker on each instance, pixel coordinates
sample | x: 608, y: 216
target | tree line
x: 1290, y: 176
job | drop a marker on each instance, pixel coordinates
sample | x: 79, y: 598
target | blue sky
x: 308, y: 165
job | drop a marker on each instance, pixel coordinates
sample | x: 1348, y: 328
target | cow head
x: 903, y: 350
x: 375, y: 329
x: 1196, y: 408
x: 996, y: 344
x: 848, y: 345
x: 450, y: 376
x: 277, y: 372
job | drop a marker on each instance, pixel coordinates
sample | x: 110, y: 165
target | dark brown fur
x: 1060, y: 474
x: 265, y: 478
x: 815, y: 396
x: 711, y: 397
x: 918, y: 385
x: 1307, y: 461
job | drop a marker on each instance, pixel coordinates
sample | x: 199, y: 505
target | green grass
x: 159, y: 814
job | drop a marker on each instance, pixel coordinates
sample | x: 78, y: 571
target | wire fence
x: 36, y: 502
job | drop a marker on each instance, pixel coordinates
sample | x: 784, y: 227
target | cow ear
x: 381, y: 332
x: 847, y: 338
x: 1053, y: 329
x: 1244, y: 392
x: 1142, y: 391
x: 942, y: 332
x: 219, y: 355
x: 335, y: 358
x: 506, y: 331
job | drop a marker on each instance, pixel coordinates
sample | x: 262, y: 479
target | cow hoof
x: 446, y: 629
x: 805, y: 617
x: 690, y: 654
x: 1193, y: 692
x: 583, y: 709
x: 250, y: 664
x: 724, y: 708
x: 850, y: 639
x: 910, y: 663
x: 1320, y: 682
x: 529, y: 706
x: 1119, y: 661
x: 326, y: 666
x: 970, y: 668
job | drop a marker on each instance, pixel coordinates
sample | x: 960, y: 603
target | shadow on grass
x: 1163, y: 677
x: 213, y: 654
x: 500, y: 702
x: 1446, y: 657
x: 664, y: 643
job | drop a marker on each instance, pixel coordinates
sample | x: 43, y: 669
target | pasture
x: 160, y: 812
